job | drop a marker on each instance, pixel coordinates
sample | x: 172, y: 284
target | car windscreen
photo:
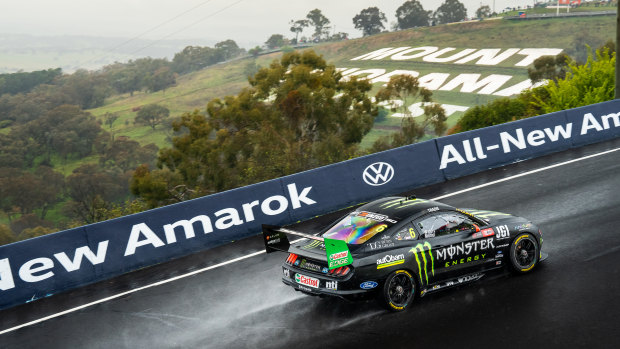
x: 358, y: 227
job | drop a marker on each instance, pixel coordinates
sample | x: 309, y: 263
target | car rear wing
x: 276, y: 239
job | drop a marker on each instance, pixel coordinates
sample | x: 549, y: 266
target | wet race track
x: 570, y: 300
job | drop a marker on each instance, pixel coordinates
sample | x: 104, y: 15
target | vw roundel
x: 378, y: 173
x: 397, y: 248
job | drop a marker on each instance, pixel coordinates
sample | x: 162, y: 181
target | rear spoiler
x: 275, y: 239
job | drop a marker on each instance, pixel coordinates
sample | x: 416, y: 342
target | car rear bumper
x: 317, y: 285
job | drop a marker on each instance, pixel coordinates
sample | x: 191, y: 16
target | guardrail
x: 562, y: 14
x: 46, y: 265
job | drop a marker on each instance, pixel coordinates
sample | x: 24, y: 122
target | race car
x: 397, y: 248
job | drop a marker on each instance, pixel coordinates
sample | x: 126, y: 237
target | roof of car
x: 398, y: 207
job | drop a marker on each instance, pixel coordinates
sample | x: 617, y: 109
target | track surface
x: 571, y: 300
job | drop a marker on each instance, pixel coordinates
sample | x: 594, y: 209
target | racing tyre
x: 524, y: 253
x: 398, y: 290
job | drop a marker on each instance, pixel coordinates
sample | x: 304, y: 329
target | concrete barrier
x: 46, y: 265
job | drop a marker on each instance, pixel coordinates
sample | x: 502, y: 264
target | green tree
x: 228, y: 49
x: 592, y: 82
x: 126, y: 154
x: 298, y: 26
x: 483, y: 11
x: 496, y: 112
x: 37, y: 231
x: 549, y: 68
x: 161, y: 79
x: 411, y: 14
x: 400, y: 92
x: 6, y: 235
x: 450, y: 11
x: 109, y: 118
x: 92, y: 190
x: 275, y: 40
x: 369, y: 21
x: 254, y: 52
x: 152, y: 115
x: 298, y: 114
x: 318, y: 21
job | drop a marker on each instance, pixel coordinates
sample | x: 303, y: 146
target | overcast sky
x: 248, y: 22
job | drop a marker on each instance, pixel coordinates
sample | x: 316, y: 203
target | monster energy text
x: 464, y: 248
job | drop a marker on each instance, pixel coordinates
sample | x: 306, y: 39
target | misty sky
x: 249, y: 22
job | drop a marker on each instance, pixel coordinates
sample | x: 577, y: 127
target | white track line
x: 261, y: 252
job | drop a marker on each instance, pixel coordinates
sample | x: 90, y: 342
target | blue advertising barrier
x: 46, y: 265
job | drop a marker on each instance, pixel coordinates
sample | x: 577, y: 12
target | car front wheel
x: 524, y: 253
x: 398, y: 290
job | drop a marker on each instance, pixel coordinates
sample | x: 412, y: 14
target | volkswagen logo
x: 378, y: 173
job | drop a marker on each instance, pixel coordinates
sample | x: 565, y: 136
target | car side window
x: 443, y: 223
x: 406, y: 233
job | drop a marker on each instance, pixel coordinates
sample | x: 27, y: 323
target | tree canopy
x: 411, y: 14
x: 483, y: 11
x: 370, y: 21
x: 275, y: 40
x: 451, y: 11
x: 400, y: 92
x: 152, y: 115
x: 319, y: 22
x: 298, y: 114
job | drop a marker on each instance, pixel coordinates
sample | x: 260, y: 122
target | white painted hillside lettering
x: 493, y: 56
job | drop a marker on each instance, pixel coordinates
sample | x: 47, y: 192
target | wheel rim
x: 525, y: 252
x: 400, y: 290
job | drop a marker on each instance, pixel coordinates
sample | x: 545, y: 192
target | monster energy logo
x: 420, y: 249
x: 314, y: 244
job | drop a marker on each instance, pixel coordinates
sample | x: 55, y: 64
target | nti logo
x: 378, y: 173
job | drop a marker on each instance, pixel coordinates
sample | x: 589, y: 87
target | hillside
x: 570, y: 35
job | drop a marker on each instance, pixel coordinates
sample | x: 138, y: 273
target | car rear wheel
x: 398, y: 290
x: 524, y: 253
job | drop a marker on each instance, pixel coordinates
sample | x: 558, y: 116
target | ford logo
x: 378, y: 173
x: 325, y: 270
x: 367, y: 285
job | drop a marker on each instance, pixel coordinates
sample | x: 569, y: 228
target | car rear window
x: 358, y: 227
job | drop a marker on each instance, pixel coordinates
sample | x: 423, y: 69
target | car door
x: 455, y: 245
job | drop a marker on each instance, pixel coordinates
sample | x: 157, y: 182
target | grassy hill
x: 194, y: 90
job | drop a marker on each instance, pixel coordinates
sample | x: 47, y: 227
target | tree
x: 161, y: 79
x: 496, y: 112
x: 590, y: 83
x: 6, y: 235
x: 450, y: 11
x: 298, y: 26
x: 126, y: 154
x: 369, y: 21
x: 411, y: 14
x: 483, y: 12
x: 318, y: 21
x: 109, y: 118
x: 297, y: 114
x: 401, y: 91
x: 228, y: 49
x: 91, y: 190
x: 275, y: 40
x: 549, y: 68
x: 255, y: 51
x: 152, y: 115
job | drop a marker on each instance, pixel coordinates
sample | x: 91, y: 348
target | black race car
x: 400, y: 247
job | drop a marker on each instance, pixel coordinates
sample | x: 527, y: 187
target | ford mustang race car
x: 397, y: 248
